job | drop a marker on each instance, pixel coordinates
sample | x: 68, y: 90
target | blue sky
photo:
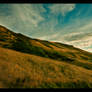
x: 65, y: 23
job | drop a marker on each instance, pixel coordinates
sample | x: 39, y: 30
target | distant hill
x: 42, y: 63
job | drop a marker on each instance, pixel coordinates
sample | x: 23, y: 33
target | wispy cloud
x: 22, y: 17
x: 61, y: 8
x: 29, y: 13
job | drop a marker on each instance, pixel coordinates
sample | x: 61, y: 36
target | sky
x: 65, y: 23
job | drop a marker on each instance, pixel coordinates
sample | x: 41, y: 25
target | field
x: 19, y: 70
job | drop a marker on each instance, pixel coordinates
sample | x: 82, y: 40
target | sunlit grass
x: 29, y: 71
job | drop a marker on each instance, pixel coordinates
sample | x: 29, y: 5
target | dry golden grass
x: 26, y: 70
x: 36, y: 43
x: 3, y: 29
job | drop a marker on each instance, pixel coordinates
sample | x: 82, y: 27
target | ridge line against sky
x: 65, y: 23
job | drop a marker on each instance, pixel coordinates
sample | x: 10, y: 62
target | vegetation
x: 67, y: 85
x: 19, y: 70
x: 34, y: 63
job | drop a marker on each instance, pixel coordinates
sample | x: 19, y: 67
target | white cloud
x: 23, y: 18
x: 29, y: 13
x: 61, y: 8
x: 83, y: 37
x: 83, y: 44
x: 53, y: 36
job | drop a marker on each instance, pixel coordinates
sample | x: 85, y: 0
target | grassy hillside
x: 35, y: 63
x: 19, y: 70
x: 53, y: 50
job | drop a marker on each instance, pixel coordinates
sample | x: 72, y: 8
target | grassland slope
x: 19, y: 70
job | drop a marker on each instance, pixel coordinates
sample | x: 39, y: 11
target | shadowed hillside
x: 42, y: 63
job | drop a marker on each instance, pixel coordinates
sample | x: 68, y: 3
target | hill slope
x: 42, y: 63
x: 19, y: 70
x: 53, y: 50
